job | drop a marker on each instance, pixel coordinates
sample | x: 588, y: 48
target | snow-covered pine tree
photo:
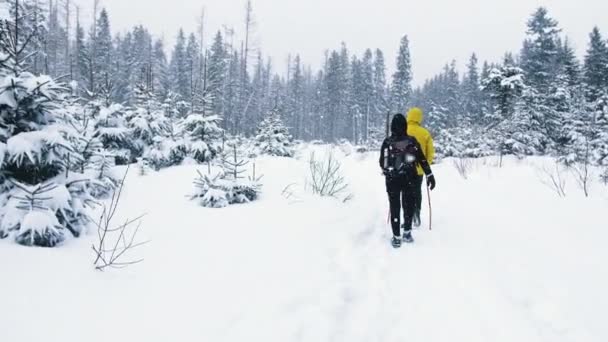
x: 259, y: 96
x: 578, y: 128
x: 566, y: 99
x: 216, y: 73
x: 472, y: 93
x: 541, y: 50
x: 231, y: 186
x: 595, y: 69
x: 295, y: 99
x: 273, y: 137
x: 528, y: 132
x: 161, y: 80
x: 540, y: 61
x: 452, y: 95
x: 599, y: 136
x: 81, y: 58
x: 485, y: 100
x: 146, y: 122
x: 381, y: 103
x: 111, y: 129
x: 193, y: 65
x: 367, y: 93
x: 401, y: 88
x: 356, y: 101
x: 345, y: 77
x: 230, y: 94
x: 118, y: 87
x: 569, y: 64
x: 333, y: 90
x: 40, y: 200
x: 101, y: 65
x: 503, y: 85
x: 437, y: 117
x: 168, y: 146
x: 204, y: 136
x: 179, y: 68
x: 134, y: 65
x: 32, y: 25
x: 317, y: 103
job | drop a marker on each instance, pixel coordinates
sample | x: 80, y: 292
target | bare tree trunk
x: 367, y: 122
x: 248, y: 26
x: 68, y: 56
x: 93, y: 43
x: 16, y: 36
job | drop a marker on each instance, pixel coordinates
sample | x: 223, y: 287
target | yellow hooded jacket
x: 414, y: 129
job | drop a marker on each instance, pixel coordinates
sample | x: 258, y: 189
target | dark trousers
x: 401, y: 194
x: 418, y: 196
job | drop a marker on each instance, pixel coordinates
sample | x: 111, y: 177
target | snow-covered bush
x: 219, y: 192
x: 165, y: 152
x: 230, y: 186
x: 273, y: 137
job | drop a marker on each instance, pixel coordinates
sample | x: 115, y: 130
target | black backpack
x: 401, y: 159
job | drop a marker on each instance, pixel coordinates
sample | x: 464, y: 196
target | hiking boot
x: 407, y: 237
x: 396, y: 242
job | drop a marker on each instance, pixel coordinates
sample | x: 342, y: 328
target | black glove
x: 385, y: 172
x: 430, y: 182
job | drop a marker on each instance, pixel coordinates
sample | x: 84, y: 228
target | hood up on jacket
x: 415, y: 116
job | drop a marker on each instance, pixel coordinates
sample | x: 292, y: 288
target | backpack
x: 401, y: 159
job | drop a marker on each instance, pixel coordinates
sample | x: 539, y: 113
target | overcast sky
x: 439, y: 30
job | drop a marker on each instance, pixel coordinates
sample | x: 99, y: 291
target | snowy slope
x: 507, y: 261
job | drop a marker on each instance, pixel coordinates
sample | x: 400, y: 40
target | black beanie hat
x: 399, y: 125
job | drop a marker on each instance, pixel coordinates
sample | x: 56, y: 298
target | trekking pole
x: 428, y: 191
x: 388, y: 217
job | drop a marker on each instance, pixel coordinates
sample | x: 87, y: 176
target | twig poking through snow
x: 464, y: 166
x: 114, y: 256
x: 554, y: 179
x: 326, y: 178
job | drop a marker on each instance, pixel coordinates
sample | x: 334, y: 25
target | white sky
x: 439, y: 30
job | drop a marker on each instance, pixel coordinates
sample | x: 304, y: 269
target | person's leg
x: 409, y: 204
x: 395, y: 205
x: 417, y: 197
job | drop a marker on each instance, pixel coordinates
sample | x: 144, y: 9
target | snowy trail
x: 319, y: 270
x: 412, y: 291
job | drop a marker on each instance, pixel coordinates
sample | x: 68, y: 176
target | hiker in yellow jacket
x: 414, y: 129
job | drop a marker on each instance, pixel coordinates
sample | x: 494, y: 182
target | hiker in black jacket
x: 399, y: 157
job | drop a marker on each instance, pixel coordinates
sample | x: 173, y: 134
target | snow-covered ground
x: 507, y: 260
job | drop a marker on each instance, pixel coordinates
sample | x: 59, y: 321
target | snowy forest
x: 539, y: 100
x: 76, y: 100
